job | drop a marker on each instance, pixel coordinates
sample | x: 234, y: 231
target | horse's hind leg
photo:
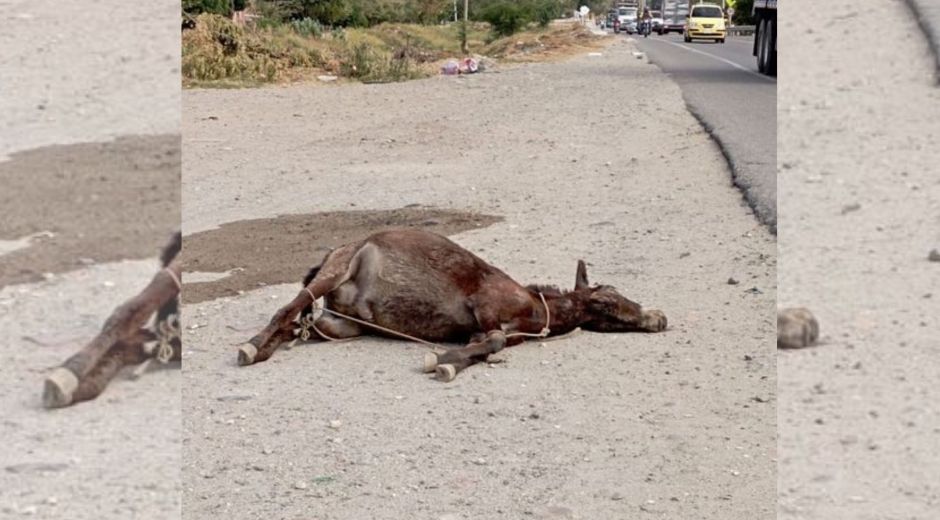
x: 123, y: 326
x: 121, y: 355
x: 340, y: 266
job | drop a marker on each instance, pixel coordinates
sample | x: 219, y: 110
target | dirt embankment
x: 218, y: 53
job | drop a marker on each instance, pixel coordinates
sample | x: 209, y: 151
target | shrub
x: 506, y: 17
x: 197, y: 7
x: 307, y: 27
x: 544, y: 11
x: 370, y: 66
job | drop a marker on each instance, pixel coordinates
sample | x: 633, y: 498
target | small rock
x: 934, y: 255
x: 480, y: 462
x: 849, y: 208
x: 335, y: 424
x: 732, y: 281
x: 300, y: 485
x: 36, y: 467
x: 326, y: 78
x: 225, y: 398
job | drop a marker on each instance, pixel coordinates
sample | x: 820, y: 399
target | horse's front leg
x: 446, y: 366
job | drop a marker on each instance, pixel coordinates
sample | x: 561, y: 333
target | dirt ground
x: 88, y: 203
x: 859, y: 211
x: 82, y: 75
x: 673, y: 425
x: 282, y: 249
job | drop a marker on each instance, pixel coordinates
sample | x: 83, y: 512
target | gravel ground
x: 77, y: 74
x: 673, y: 425
x: 859, y: 211
x: 73, y: 73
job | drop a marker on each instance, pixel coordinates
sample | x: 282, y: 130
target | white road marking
x: 723, y: 60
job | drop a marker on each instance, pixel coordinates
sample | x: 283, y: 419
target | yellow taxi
x: 705, y: 22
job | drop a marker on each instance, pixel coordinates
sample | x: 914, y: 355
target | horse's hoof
x: 59, y: 388
x: 246, y: 354
x: 446, y: 372
x: 654, y: 320
x: 430, y: 362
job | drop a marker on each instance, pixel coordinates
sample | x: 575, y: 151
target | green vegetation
x: 289, y: 40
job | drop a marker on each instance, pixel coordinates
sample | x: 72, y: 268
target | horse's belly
x: 430, y: 319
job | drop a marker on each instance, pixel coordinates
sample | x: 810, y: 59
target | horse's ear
x: 581, y: 280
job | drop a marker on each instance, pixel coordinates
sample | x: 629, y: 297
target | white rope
x: 167, y: 331
x: 545, y: 330
x: 312, y: 323
x: 176, y: 280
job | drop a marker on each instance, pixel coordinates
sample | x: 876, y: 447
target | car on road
x: 627, y: 17
x: 706, y: 22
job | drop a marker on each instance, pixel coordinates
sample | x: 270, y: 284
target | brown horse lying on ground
x: 125, y: 340
x: 421, y: 284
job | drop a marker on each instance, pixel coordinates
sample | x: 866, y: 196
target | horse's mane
x: 547, y: 290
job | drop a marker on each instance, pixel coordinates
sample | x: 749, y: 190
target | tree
x: 195, y: 7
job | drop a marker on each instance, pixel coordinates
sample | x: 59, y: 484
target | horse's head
x: 609, y: 311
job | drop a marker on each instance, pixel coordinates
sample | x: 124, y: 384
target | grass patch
x: 219, y: 54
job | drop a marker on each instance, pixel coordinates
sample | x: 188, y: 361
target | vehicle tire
x: 721, y: 40
x: 762, y: 47
x: 688, y: 39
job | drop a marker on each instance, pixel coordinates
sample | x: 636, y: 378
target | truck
x: 765, y: 36
x: 627, y: 13
x: 675, y: 13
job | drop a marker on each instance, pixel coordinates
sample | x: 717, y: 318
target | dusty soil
x: 859, y: 211
x: 80, y: 74
x: 282, y: 249
x: 673, y: 425
x: 85, y: 73
x: 99, y: 202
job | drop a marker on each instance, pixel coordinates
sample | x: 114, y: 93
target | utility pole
x: 466, y: 17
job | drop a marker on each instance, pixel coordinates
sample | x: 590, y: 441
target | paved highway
x: 928, y: 13
x: 737, y: 105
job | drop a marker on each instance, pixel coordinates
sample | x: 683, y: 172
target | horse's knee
x: 496, y: 340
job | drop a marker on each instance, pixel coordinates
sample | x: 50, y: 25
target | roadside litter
x: 465, y: 66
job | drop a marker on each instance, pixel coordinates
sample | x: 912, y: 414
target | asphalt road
x: 735, y: 103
